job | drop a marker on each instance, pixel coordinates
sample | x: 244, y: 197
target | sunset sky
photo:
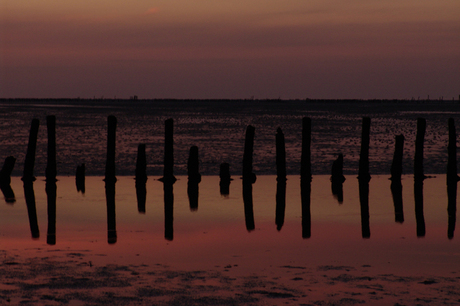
x: 230, y: 49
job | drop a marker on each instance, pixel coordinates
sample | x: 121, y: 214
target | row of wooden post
x: 248, y: 177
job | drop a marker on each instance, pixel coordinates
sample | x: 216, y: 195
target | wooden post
x: 364, y: 154
x: 305, y: 163
x: 5, y: 173
x: 141, y: 178
x: 80, y: 178
x: 418, y: 158
x: 111, y: 141
x: 396, y: 166
x: 168, y: 171
x: 452, y: 179
x: 28, y: 174
x: 280, y: 156
x: 194, y: 178
x: 225, y: 179
x: 51, y: 164
x: 141, y: 164
x: 248, y: 175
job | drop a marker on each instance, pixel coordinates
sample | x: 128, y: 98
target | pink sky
x: 230, y: 49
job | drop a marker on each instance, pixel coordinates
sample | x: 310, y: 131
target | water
x: 218, y: 128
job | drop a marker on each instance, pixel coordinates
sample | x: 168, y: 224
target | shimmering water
x: 218, y: 129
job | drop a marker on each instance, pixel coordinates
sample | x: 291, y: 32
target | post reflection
x: 111, y: 218
x: 305, y: 194
x: 396, y: 192
x: 248, y: 205
x: 51, y: 196
x: 225, y: 179
x: 364, y: 204
x: 29, y: 195
x: 280, y: 203
x: 169, y: 210
x: 451, y: 207
x: 418, y: 198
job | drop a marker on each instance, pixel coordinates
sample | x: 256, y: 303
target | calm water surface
x: 218, y: 128
x: 216, y: 232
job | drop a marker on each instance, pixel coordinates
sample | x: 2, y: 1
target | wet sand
x: 214, y: 260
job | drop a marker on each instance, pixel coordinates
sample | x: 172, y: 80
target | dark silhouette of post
x: 418, y: 158
x: 111, y: 142
x: 111, y: 216
x: 281, y: 179
x: 194, y: 178
x: 50, y: 188
x: 249, y: 178
x: 396, y: 166
x: 168, y: 171
x: 80, y: 178
x: 364, y: 154
x: 141, y: 178
x: 29, y: 195
x: 419, y: 176
x: 452, y: 179
x: 364, y: 177
x: 248, y: 206
x: 337, y: 178
x: 110, y: 180
x: 5, y: 180
x: 169, y: 210
x: 364, y: 204
x: 419, y: 216
x: 305, y: 193
x: 396, y: 192
x: 51, y: 164
x: 141, y: 164
x: 305, y: 162
x: 28, y: 174
x: 225, y: 179
x: 248, y: 175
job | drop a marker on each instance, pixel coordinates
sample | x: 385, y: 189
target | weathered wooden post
x: 111, y: 142
x: 364, y: 177
x: 281, y: 179
x: 305, y: 162
x: 418, y: 158
x: 225, y: 179
x: 110, y: 179
x: 364, y: 154
x: 80, y: 178
x: 168, y: 171
x: 248, y: 175
x: 141, y: 178
x: 5, y: 180
x: 452, y: 179
x: 194, y: 178
x: 249, y: 178
x: 28, y: 174
x: 51, y: 164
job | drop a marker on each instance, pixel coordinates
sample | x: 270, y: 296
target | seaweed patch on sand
x: 71, y: 278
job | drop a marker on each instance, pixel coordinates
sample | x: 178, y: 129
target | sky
x: 214, y: 49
